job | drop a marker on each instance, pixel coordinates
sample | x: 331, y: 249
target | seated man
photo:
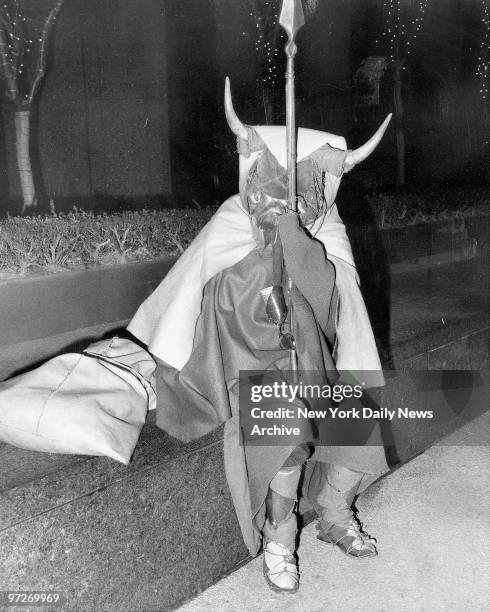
x: 259, y: 280
x: 222, y: 309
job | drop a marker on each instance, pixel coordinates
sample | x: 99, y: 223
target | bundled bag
x: 93, y: 403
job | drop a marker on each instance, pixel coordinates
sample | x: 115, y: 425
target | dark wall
x: 195, y: 104
x: 446, y: 120
x: 101, y: 131
x: 131, y: 109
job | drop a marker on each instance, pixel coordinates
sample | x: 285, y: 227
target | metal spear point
x: 291, y: 19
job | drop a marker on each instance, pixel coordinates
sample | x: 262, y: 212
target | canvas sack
x: 84, y: 404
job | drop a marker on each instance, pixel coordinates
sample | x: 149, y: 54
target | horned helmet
x: 322, y: 158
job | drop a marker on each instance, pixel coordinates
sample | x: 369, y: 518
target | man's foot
x: 350, y: 539
x: 280, y: 568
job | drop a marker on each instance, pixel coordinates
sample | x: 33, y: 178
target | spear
x: 291, y: 19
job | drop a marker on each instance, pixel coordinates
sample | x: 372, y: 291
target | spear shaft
x: 291, y: 19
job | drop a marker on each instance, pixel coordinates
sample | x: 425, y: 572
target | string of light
x: 22, y: 37
x: 14, y: 23
x: 266, y: 20
x: 401, y: 38
x: 484, y: 53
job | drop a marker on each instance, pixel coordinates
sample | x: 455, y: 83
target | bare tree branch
x: 8, y: 71
x: 41, y: 65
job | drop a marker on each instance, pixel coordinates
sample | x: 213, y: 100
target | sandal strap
x: 360, y: 541
x: 280, y: 563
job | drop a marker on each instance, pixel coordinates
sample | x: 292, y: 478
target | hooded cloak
x: 206, y: 321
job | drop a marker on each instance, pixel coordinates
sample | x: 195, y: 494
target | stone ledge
x: 81, y: 475
x: 18, y: 357
x: 114, y: 541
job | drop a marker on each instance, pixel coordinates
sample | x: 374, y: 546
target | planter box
x: 43, y: 315
x: 39, y: 306
x: 415, y: 247
x: 436, y: 243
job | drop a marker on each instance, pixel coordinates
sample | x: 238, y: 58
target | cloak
x: 166, y: 321
x: 206, y: 322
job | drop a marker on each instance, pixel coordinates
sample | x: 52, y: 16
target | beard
x: 264, y: 215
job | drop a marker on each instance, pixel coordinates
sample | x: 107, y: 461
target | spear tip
x: 291, y: 17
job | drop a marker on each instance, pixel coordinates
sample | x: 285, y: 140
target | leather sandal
x: 280, y: 568
x: 351, y: 540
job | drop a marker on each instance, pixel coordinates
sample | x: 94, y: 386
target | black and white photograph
x: 244, y: 305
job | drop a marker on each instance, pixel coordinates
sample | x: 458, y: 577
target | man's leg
x: 280, y: 530
x: 337, y: 523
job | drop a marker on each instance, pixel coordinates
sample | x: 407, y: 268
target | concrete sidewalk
x: 431, y: 518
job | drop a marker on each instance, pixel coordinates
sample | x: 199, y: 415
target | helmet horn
x: 236, y: 126
x: 363, y: 152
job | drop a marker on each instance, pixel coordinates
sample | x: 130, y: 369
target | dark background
x: 131, y: 111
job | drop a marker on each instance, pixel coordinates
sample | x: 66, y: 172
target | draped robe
x: 197, y: 384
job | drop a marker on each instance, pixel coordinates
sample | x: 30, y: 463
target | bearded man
x: 223, y: 309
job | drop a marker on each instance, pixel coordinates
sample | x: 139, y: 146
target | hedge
x: 398, y: 210
x: 49, y: 244
x: 79, y: 239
